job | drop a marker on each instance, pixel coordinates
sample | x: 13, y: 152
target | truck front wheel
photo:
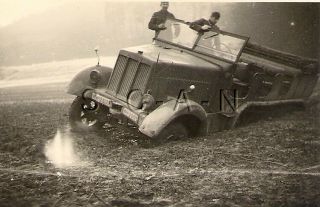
x: 86, y: 115
x: 173, y: 131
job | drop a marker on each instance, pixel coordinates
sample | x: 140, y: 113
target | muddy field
x: 272, y: 159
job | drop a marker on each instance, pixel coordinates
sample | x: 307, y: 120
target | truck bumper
x: 116, y: 107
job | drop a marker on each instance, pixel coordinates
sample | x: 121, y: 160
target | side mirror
x: 191, y: 88
x: 182, y: 97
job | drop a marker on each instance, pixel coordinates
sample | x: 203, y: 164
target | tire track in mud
x: 149, y: 175
x: 35, y: 94
x: 37, y: 101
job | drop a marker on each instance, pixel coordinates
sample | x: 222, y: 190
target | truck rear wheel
x: 86, y: 115
x: 173, y: 131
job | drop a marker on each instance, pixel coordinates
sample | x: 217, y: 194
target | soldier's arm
x: 215, y: 28
x: 196, y: 25
x: 171, y: 16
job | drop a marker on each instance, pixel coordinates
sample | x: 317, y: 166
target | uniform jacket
x: 196, y: 25
x: 159, y: 18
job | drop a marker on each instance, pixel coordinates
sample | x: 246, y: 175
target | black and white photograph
x: 137, y: 103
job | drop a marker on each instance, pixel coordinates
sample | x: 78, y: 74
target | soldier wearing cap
x: 158, y: 19
x: 203, y: 25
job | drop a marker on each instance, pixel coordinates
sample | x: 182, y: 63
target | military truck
x: 188, y: 84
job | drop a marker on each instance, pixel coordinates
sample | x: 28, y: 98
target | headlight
x: 147, y: 102
x: 135, y: 99
x: 95, y: 76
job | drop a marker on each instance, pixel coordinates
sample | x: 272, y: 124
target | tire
x: 86, y: 115
x: 174, y: 131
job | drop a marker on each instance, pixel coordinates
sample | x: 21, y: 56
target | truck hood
x: 169, y: 55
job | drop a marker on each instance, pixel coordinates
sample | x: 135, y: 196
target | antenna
x: 158, y: 57
x: 96, y: 49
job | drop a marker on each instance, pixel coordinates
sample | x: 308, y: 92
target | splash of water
x: 60, y: 151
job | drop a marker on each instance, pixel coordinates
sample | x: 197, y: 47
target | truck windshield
x: 223, y: 45
x: 178, y: 33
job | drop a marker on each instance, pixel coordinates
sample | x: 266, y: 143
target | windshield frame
x: 195, y: 44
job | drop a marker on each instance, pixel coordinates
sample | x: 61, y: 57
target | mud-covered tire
x: 84, y: 116
x: 174, y: 131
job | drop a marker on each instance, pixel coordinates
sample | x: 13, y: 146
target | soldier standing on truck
x: 158, y: 20
x: 202, y: 25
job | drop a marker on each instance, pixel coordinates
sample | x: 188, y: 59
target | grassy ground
x: 272, y: 159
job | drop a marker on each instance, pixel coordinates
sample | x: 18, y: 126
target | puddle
x: 61, y: 151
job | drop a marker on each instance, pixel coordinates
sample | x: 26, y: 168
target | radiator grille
x: 141, y: 77
x: 128, y: 75
x: 117, y: 73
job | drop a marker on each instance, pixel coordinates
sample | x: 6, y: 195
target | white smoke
x: 60, y: 151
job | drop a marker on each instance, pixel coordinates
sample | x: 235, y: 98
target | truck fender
x: 170, y: 111
x: 82, y: 81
